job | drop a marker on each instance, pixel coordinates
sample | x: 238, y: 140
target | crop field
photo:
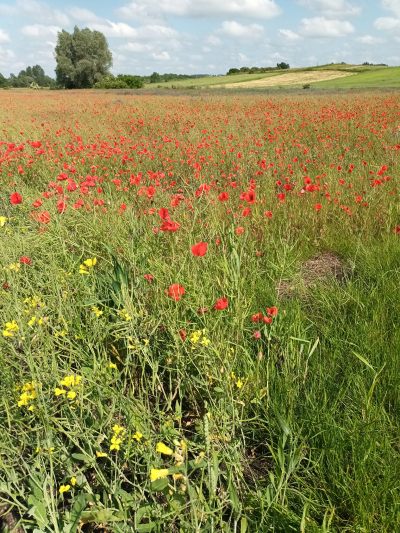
x: 200, y: 312
x: 380, y: 78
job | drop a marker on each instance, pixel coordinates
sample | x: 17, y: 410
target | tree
x: 232, y: 71
x: 3, y: 81
x: 155, y: 78
x: 38, y: 75
x: 133, y: 82
x: 282, y: 65
x: 83, y: 58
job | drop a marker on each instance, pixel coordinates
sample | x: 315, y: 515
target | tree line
x: 257, y: 70
x: 30, y: 77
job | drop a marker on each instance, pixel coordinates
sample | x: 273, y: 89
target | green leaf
x: 218, y: 389
x: 361, y: 358
x: 144, y: 528
x: 159, y: 484
x: 283, y: 424
x: 82, y: 457
x: 38, y: 511
x: 77, y: 510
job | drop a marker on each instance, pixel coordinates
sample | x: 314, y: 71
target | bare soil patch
x: 295, y: 78
x: 319, y: 269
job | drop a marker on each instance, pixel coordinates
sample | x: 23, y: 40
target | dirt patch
x: 292, y: 78
x: 319, y: 269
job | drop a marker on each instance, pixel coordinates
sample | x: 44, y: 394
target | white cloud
x: 332, y: 8
x: 260, y: 9
x: 368, y: 39
x: 211, y: 66
x: 211, y: 39
x: 40, y: 31
x: 240, y: 31
x: 242, y: 57
x: 4, y: 37
x: 196, y: 57
x: 163, y: 56
x: 41, y: 12
x: 391, y: 5
x: 206, y: 49
x: 120, y: 29
x: 142, y: 12
x: 289, y: 35
x: 82, y: 14
x: 136, y: 47
x: 387, y: 23
x: 322, y: 27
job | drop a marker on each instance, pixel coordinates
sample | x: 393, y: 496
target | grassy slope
x: 386, y: 77
x: 222, y: 80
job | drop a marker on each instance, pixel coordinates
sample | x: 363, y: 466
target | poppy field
x: 200, y: 312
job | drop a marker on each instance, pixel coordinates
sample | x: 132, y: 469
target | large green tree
x: 83, y: 58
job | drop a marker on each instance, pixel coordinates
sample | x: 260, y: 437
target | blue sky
x: 205, y: 36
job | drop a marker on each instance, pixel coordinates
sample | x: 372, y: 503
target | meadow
x: 199, y: 312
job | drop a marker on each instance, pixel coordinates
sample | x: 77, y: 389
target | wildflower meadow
x: 200, y: 312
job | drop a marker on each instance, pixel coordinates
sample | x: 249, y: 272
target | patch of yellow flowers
x: 89, y: 263
x: 70, y: 382
x: 28, y: 393
x: 11, y: 327
x: 118, y: 437
x: 196, y: 336
x: 179, y: 456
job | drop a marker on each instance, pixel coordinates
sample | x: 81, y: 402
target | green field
x: 214, y: 80
x: 385, y: 77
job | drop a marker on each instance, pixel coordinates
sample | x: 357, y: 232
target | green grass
x: 385, y: 78
x: 214, y: 80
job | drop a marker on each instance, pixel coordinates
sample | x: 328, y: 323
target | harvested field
x: 297, y: 78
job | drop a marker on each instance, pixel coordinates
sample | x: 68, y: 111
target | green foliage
x: 155, y: 78
x: 3, y: 81
x: 232, y: 71
x: 83, y: 58
x: 282, y: 66
x: 133, y: 82
x: 110, y: 82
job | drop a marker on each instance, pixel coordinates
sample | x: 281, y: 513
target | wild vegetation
x: 200, y: 312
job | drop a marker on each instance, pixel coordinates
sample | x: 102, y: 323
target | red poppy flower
x: 223, y: 197
x: 182, y: 334
x: 268, y: 214
x: 175, y: 291
x: 61, y: 206
x: 123, y: 207
x: 281, y: 196
x: 272, y: 311
x: 25, y: 260
x: 239, y: 230
x: 199, y: 249
x: 246, y: 212
x: 163, y: 213
x: 202, y: 310
x: 37, y: 203
x: 256, y: 335
x: 221, y: 304
x: 396, y: 230
x: 15, y: 198
x: 149, y: 277
x: 267, y: 319
x: 5, y: 286
x: 257, y: 317
x: 318, y: 207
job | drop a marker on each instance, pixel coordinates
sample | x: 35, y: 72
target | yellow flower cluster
x: 10, y: 328
x: 28, y: 393
x: 89, y: 263
x: 15, y: 266
x: 3, y: 220
x: 239, y: 382
x: 195, y: 337
x: 124, y: 314
x: 97, y: 311
x: 118, y: 437
x: 179, y: 456
x: 71, y: 382
x: 35, y: 301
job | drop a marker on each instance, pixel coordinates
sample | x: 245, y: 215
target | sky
x: 205, y: 36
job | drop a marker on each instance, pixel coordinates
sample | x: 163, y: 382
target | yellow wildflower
x: 158, y: 474
x: 239, y: 384
x: 118, y: 429
x: 3, y: 220
x: 7, y: 333
x: 115, y: 443
x: 112, y: 365
x: 162, y: 448
x: 12, y: 326
x: 64, y: 488
x: 15, y: 266
x: 73, y: 481
x: 90, y: 262
x: 58, y: 391
x: 71, y: 395
x: 101, y: 454
x: 137, y: 436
